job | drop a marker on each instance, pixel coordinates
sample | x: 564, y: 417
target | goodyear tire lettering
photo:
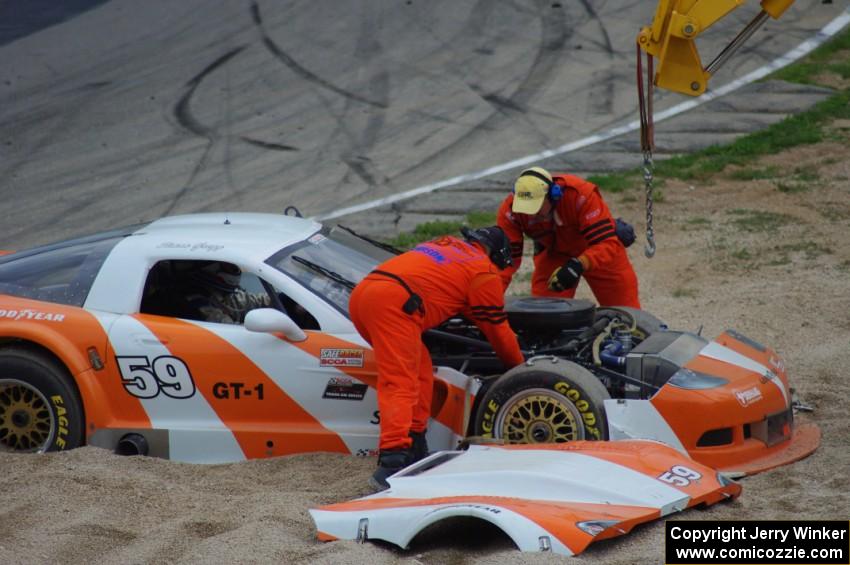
x: 586, y: 395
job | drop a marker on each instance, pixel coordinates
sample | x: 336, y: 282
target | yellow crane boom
x: 671, y: 39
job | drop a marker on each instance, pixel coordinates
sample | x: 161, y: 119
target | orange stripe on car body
x: 253, y: 425
x: 105, y: 402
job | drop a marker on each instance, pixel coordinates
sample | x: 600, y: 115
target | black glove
x: 567, y: 276
x: 625, y: 232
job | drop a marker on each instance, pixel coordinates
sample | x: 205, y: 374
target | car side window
x: 299, y: 314
x: 207, y: 291
x: 213, y: 291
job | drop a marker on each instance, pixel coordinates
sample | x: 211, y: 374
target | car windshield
x: 328, y: 261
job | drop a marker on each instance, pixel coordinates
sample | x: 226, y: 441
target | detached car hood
x: 552, y: 497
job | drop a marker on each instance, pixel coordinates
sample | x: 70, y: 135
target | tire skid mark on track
x: 183, y: 111
x: 608, y: 46
x: 554, y: 35
x: 363, y: 140
x: 603, y: 85
x: 184, y: 116
x: 301, y: 71
x: 199, y: 165
x: 268, y: 144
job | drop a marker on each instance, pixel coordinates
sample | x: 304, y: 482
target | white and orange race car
x: 94, y: 350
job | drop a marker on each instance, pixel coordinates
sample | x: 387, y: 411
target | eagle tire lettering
x: 166, y: 374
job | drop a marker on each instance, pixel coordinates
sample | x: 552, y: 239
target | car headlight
x: 694, y: 380
x: 596, y: 527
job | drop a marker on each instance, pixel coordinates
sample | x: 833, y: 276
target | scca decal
x: 146, y: 379
x: 333, y: 357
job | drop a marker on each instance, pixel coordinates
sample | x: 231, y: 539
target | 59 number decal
x: 146, y: 379
x: 679, y: 476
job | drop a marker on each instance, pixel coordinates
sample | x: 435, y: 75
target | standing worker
x: 414, y: 292
x: 574, y: 235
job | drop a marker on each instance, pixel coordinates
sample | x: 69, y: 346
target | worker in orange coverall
x: 574, y: 236
x: 414, y: 292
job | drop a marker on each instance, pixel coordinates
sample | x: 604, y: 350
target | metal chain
x: 649, y: 248
x: 647, y: 143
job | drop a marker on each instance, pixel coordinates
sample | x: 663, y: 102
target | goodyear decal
x: 344, y: 388
x: 332, y: 357
x: 27, y: 314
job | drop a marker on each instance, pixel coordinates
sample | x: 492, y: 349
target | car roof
x: 263, y: 234
x: 242, y: 238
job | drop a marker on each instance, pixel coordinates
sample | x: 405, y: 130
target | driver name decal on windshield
x: 332, y: 357
x: 344, y: 388
x: 202, y: 246
x: 317, y: 239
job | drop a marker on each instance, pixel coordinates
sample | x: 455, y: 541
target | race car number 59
x: 679, y: 476
x: 146, y: 379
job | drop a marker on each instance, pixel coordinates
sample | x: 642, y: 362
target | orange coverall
x: 580, y: 226
x: 452, y: 277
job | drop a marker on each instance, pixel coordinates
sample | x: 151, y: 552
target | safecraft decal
x: 345, y: 388
x: 341, y: 358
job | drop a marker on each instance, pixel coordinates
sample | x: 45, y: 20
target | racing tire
x: 546, y: 400
x: 546, y: 313
x: 646, y: 324
x: 40, y: 409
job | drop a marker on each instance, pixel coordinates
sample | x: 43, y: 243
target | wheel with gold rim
x: 547, y: 401
x: 39, y: 409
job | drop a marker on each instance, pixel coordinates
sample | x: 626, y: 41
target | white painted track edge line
x: 804, y: 48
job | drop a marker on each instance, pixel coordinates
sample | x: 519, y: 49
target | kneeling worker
x: 574, y: 236
x: 414, y: 292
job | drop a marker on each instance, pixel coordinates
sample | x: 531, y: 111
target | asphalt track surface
x: 127, y: 111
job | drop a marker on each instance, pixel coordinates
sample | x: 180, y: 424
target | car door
x: 225, y: 393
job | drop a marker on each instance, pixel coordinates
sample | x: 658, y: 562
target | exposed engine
x: 616, y: 344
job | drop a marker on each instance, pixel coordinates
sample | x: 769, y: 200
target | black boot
x: 390, y: 462
x: 419, y: 449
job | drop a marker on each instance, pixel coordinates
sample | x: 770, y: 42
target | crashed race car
x: 94, y: 350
